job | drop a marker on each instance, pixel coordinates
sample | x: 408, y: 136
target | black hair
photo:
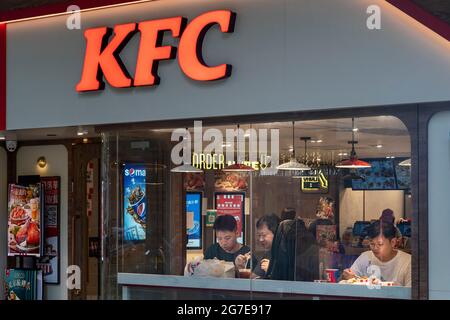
x: 271, y: 221
x: 288, y: 214
x: 381, y: 227
x: 225, y: 223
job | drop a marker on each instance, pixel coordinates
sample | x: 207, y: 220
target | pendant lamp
x: 405, y: 163
x: 293, y: 164
x: 353, y: 162
x: 238, y: 167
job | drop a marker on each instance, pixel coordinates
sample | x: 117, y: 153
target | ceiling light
x: 2, y: 138
x: 405, y: 163
x: 238, y: 167
x: 353, y: 162
x: 319, y: 141
x: 186, y: 168
x: 355, y: 129
x: 81, y: 132
x: 293, y: 164
x: 379, y: 146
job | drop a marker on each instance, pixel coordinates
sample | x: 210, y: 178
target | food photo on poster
x: 24, y: 220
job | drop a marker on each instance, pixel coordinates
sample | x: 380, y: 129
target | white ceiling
x: 388, y: 131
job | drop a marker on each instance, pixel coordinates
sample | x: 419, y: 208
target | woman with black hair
x: 390, y: 264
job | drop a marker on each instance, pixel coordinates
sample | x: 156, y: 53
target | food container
x: 332, y: 275
x: 245, y: 273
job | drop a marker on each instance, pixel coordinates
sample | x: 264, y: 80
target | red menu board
x: 232, y: 204
x: 49, y: 262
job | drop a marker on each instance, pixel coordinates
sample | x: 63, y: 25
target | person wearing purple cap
x: 388, y: 216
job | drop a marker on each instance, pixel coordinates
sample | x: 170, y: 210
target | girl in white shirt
x: 390, y: 264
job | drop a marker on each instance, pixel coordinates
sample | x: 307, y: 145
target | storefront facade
x: 286, y: 61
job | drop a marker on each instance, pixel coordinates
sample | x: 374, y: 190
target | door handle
x: 75, y: 217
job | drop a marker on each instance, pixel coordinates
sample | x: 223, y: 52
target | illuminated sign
x: 208, y: 161
x: 102, y: 62
x: 217, y: 162
x: 315, y: 183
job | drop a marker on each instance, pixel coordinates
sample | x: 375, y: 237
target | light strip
x: 82, y: 10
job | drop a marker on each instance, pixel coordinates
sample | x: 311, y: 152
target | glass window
x: 311, y: 202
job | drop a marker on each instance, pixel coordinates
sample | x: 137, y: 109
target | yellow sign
x: 318, y: 182
x: 208, y: 161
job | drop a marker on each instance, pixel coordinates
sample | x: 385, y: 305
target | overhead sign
x: 316, y: 182
x: 103, y: 64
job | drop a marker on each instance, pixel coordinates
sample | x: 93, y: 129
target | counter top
x: 129, y: 280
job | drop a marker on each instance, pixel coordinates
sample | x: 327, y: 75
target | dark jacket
x: 295, y: 253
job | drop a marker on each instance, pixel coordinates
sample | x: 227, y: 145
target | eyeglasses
x: 376, y: 245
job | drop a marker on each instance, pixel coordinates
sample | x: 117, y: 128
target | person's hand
x: 240, y: 261
x: 348, y: 274
x: 265, y: 264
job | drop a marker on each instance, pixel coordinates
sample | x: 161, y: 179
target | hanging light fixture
x: 405, y: 163
x: 293, y: 164
x: 353, y: 162
x: 238, y: 167
x: 300, y: 175
x: 186, y: 167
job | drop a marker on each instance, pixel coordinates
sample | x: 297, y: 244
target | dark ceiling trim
x: 44, y: 10
x: 424, y: 17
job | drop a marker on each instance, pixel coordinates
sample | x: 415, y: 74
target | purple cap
x: 387, y: 216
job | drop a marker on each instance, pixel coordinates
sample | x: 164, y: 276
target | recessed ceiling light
x: 379, y: 146
x: 343, y: 154
x: 81, y: 132
x: 319, y: 141
x: 355, y: 129
x: 2, y: 138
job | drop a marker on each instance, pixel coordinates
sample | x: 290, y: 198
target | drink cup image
x: 332, y: 275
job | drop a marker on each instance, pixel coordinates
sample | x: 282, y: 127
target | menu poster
x: 231, y: 181
x: 24, y: 220
x: 194, y: 220
x: 232, y: 204
x: 135, y: 202
x: 194, y: 181
x: 50, y: 261
x: 23, y: 284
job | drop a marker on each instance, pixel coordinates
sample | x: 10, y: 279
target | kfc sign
x: 102, y: 62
